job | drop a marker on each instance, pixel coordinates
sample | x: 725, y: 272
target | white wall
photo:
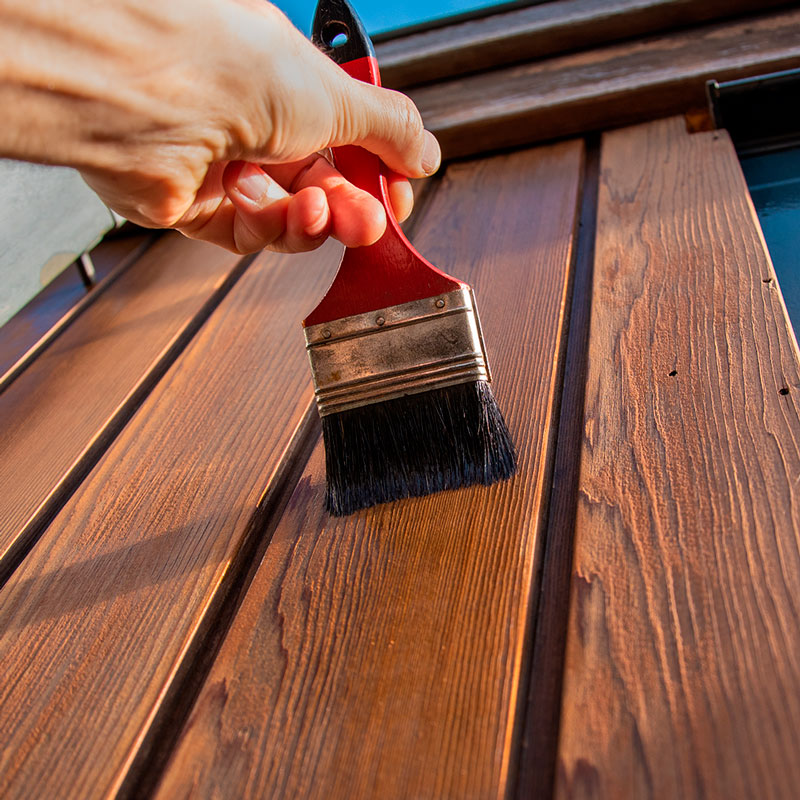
x: 48, y: 217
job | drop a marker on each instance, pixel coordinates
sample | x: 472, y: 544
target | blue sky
x: 383, y: 16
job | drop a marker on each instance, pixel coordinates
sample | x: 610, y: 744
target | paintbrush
x: 401, y: 377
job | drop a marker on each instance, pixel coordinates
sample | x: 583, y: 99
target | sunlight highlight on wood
x: 681, y: 674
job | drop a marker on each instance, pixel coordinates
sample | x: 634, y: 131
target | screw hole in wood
x: 673, y: 373
x: 783, y: 391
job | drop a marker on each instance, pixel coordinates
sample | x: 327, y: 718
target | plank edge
x: 148, y: 758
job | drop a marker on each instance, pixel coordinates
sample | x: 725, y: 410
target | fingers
x: 268, y: 216
x: 357, y: 218
x: 401, y: 195
x: 348, y: 200
x: 292, y: 209
x: 388, y: 124
x: 261, y: 206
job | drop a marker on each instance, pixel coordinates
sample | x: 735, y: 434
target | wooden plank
x: 603, y: 88
x: 102, y: 624
x: 682, y: 676
x: 538, y: 31
x: 379, y: 655
x: 59, y: 415
x: 37, y: 324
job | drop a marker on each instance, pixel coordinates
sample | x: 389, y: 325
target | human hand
x: 208, y: 116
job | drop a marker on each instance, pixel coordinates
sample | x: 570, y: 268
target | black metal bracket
x: 760, y: 113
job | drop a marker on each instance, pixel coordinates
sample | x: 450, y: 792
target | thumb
x: 388, y: 124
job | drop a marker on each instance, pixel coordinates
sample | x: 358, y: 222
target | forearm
x: 81, y: 81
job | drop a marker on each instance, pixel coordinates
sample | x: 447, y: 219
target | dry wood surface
x: 102, y: 624
x: 603, y: 88
x: 682, y: 675
x: 48, y: 314
x: 541, y: 30
x: 380, y: 655
x: 56, y: 417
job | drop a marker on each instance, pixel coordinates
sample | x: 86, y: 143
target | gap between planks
x: 39, y: 323
x: 380, y: 654
x: 124, y: 583
x: 603, y: 88
x: 683, y: 643
x: 66, y: 408
x: 139, y: 775
x: 541, y: 691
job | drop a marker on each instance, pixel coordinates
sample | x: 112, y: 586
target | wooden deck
x: 180, y: 619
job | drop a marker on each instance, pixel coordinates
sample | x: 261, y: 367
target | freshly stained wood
x: 101, y: 625
x: 605, y: 87
x: 379, y: 655
x: 36, y: 325
x: 541, y: 30
x: 58, y: 415
x: 681, y: 677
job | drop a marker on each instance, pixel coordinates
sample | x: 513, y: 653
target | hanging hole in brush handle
x: 340, y: 34
x: 336, y: 34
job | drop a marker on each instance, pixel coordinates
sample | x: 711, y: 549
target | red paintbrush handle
x: 391, y: 271
x: 359, y: 166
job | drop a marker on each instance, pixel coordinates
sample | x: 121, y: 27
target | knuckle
x: 163, y: 204
x: 162, y: 217
x: 244, y: 243
x: 409, y: 116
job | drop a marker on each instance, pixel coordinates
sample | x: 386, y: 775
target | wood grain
x: 682, y: 675
x: 57, y: 417
x: 538, y: 31
x: 379, y: 655
x: 99, y: 625
x: 44, y: 318
x: 603, y: 88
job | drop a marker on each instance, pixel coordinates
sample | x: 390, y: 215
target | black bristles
x: 415, y: 445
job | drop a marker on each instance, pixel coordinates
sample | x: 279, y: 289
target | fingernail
x: 431, y: 154
x: 253, y: 184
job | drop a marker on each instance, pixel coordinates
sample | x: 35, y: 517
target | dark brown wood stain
x: 681, y: 675
x: 603, y: 88
x: 540, y: 30
x: 379, y: 655
x: 96, y: 623
x: 56, y: 418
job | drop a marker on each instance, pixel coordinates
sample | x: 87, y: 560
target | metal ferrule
x: 395, y: 351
